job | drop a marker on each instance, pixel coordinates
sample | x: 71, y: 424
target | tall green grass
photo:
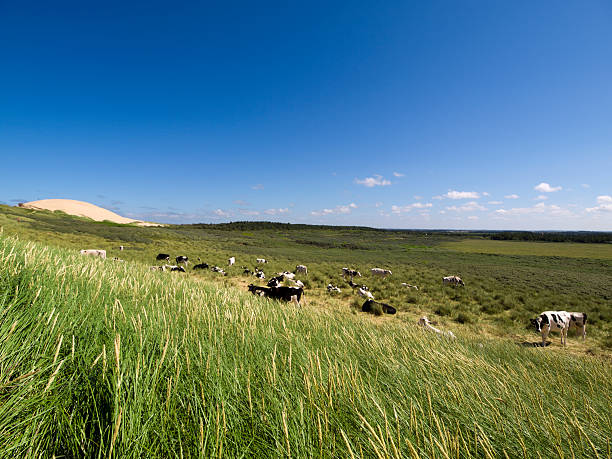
x: 103, y: 359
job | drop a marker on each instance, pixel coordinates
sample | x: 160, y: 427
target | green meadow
x: 100, y: 358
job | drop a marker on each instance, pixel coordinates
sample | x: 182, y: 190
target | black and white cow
x: 182, y: 259
x: 578, y: 320
x: 201, y: 266
x: 350, y: 272
x: 278, y: 293
x: 550, y: 321
x: 163, y: 257
x: 179, y: 269
x: 216, y: 269
x: 261, y: 260
x: 231, y: 261
x: 452, y: 280
x: 301, y: 269
x: 333, y: 289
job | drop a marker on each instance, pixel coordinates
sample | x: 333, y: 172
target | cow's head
x: 539, y: 322
x: 461, y: 282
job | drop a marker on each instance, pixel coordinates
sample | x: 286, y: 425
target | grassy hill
x: 102, y: 359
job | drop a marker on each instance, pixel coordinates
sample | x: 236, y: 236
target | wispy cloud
x: 276, y: 211
x: 512, y: 196
x: 371, y: 182
x: 240, y: 202
x: 398, y: 174
x: 540, y: 208
x: 258, y: 187
x: 495, y: 203
x: 467, y: 207
x: 604, y: 204
x: 248, y: 212
x: 452, y: 194
x: 221, y: 213
x: 541, y: 197
x: 585, y: 185
x: 546, y: 188
x: 403, y: 209
x: 336, y: 210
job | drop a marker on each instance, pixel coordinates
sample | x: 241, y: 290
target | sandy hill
x: 81, y: 209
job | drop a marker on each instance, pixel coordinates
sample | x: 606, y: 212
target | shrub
x: 466, y: 318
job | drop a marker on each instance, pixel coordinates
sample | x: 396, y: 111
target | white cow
x: 578, y: 320
x: 365, y: 293
x: 301, y: 269
x: 424, y: 322
x: 350, y: 272
x: 231, y: 261
x: 121, y: 247
x: 286, y: 275
x: 261, y: 260
x: 94, y: 253
x: 452, y: 280
x: 380, y: 272
x: 550, y: 321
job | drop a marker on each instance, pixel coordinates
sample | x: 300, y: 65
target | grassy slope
x: 504, y: 290
x: 97, y: 356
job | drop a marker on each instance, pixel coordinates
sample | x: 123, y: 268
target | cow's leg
x: 545, y: 332
x: 583, y: 332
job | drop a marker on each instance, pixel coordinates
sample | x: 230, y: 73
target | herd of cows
x: 275, y: 289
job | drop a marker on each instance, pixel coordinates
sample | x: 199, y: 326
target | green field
x: 107, y: 359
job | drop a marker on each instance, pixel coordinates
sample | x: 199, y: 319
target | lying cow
x: 426, y: 324
x: 286, y: 275
x: 157, y: 268
x: 163, y: 257
x: 94, y: 253
x: 452, y: 280
x: 410, y: 286
x: 216, y: 269
x: 231, y: 261
x: 201, y: 266
x: 380, y: 272
x: 350, y: 272
x: 278, y: 293
x: 261, y: 260
x: 369, y: 305
x: 301, y: 269
x: 176, y: 268
x: 333, y: 289
x: 550, y: 321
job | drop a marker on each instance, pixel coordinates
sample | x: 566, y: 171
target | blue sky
x: 473, y: 115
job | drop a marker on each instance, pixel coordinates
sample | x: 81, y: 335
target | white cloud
x: 248, y: 212
x: 276, y: 211
x: 585, y: 185
x: 257, y: 187
x: 512, y: 196
x: 495, y: 203
x: 540, y: 208
x: 416, y: 205
x: 541, y: 197
x: 370, y: 182
x: 546, y: 188
x: 398, y: 174
x: 485, y: 194
x: 417, y: 197
x: 221, y: 213
x: 240, y: 202
x: 467, y: 207
x: 605, y: 204
x: 452, y: 194
x: 336, y: 210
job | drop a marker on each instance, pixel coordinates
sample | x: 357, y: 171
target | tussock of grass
x: 101, y: 359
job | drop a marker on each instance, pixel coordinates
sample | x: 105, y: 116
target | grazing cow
x: 182, y: 259
x: 301, y: 269
x: 216, y: 269
x: 452, y: 280
x: 163, y: 257
x: 380, y: 272
x: 94, y: 253
x: 350, y: 272
x: 410, y: 286
x: 552, y: 320
x: 231, y: 261
x: 365, y: 293
x: 426, y: 324
x: 578, y: 320
x: 120, y: 247
x: 201, y: 266
x: 261, y: 260
x: 368, y: 306
x: 333, y: 289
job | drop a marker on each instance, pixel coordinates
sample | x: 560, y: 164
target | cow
x: 365, y: 293
x: 163, y: 257
x: 216, y: 269
x: 260, y: 291
x: 231, y: 261
x: 299, y: 283
x: 275, y: 281
x: 94, y: 253
x: 182, y: 259
x: 259, y: 275
x: 350, y: 272
x: 121, y: 247
x: 117, y: 259
x: 247, y: 272
x: 261, y: 260
x: 452, y: 280
x: 179, y: 269
x: 426, y: 324
x: 578, y: 320
x: 286, y: 275
x: 201, y: 266
x: 333, y: 289
x: 157, y: 268
x: 368, y: 306
x: 354, y: 286
x: 380, y: 272
x: 301, y: 269
x: 410, y: 286
x: 278, y: 293
x: 550, y: 321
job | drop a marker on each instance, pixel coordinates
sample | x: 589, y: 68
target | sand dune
x: 82, y: 209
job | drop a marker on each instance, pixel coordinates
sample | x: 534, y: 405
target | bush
x: 466, y: 318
